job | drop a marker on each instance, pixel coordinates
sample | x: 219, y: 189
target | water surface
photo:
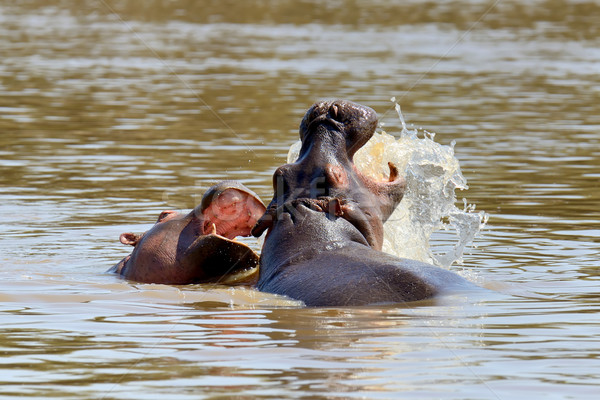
x: 111, y: 112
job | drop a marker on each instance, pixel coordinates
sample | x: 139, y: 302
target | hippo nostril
x: 335, y: 112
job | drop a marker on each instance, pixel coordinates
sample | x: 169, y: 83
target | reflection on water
x: 112, y: 111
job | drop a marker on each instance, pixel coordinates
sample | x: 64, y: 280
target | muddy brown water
x: 112, y: 111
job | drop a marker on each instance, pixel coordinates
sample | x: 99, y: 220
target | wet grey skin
x: 199, y: 246
x: 325, y: 222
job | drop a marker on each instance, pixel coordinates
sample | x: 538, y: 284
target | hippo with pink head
x: 198, y: 247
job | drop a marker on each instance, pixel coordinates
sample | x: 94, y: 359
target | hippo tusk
x: 393, y: 171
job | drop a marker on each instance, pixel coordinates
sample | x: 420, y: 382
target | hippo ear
x: 130, y: 238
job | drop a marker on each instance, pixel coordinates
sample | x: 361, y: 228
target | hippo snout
x: 331, y: 109
x: 355, y: 122
x: 342, y: 111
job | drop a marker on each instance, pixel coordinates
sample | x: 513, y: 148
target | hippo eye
x: 165, y: 214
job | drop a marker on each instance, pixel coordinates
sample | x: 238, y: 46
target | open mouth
x: 231, y: 212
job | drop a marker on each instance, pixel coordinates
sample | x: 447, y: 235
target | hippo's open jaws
x: 198, y: 247
x: 331, y: 133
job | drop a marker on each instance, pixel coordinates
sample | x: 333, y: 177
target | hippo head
x: 331, y: 132
x: 199, y: 246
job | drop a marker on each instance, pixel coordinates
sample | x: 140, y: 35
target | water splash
x: 432, y: 175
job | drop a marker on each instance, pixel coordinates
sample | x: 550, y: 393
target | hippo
x: 198, y: 247
x: 325, y: 222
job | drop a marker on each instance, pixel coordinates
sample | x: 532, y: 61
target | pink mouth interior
x: 234, y: 213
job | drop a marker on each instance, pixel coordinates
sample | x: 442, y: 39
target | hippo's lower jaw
x: 219, y: 260
x: 211, y: 258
